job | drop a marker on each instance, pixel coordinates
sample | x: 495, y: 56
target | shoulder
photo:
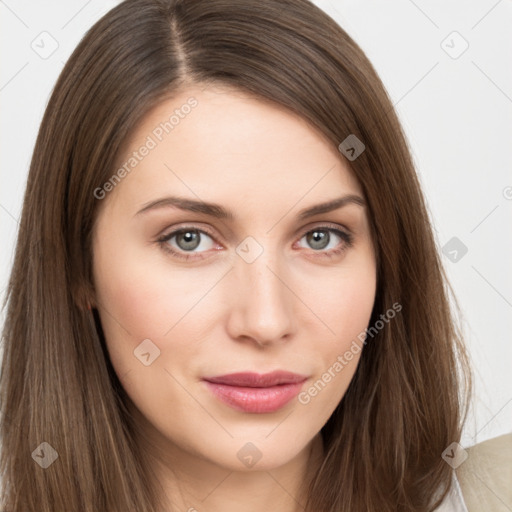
x: 485, y: 476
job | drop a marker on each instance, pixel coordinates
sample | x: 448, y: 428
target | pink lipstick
x: 255, y: 393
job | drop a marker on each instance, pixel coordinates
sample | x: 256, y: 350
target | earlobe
x: 90, y: 304
x: 83, y: 297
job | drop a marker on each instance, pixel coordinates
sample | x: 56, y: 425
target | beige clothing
x: 485, y: 477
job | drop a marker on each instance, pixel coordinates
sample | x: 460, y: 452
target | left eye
x: 320, y: 238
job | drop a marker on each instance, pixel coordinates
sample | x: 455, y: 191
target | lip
x: 256, y: 380
x: 256, y: 393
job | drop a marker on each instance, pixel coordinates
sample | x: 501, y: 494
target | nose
x: 261, y: 302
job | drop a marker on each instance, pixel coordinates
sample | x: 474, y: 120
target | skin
x: 292, y: 308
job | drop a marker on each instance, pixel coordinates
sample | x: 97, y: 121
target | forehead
x: 221, y: 144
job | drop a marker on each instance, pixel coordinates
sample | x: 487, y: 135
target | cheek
x: 344, y: 301
x: 135, y: 294
x: 346, y: 309
x: 132, y: 303
x: 140, y: 297
x: 136, y: 304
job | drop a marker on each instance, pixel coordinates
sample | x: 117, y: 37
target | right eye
x: 185, y: 240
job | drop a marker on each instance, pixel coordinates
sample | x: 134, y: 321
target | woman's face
x: 262, y: 282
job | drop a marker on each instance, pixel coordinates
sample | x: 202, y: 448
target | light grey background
x: 456, y: 108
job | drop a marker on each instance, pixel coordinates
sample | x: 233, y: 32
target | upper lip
x: 255, y: 380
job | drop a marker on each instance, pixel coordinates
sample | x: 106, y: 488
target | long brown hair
x: 408, y: 399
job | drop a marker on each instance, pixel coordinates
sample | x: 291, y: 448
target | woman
x: 226, y: 292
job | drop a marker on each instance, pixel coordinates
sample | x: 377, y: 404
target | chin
x: 258, y: 454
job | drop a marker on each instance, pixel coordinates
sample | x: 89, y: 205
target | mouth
x: 255, y: 393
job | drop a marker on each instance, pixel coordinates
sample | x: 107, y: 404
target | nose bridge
x: 261, y: 277
x: 261, y: 300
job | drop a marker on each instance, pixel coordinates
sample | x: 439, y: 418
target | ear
x: 84, y: 296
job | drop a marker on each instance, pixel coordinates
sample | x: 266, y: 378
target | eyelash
x: 345, y: 236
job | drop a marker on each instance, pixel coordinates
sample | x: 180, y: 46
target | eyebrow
x: 219, y: 212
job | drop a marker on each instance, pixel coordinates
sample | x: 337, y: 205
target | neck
x: 194, y: 484
x: 191, y: 483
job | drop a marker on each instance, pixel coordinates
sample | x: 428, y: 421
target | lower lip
x: 256, y: 400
